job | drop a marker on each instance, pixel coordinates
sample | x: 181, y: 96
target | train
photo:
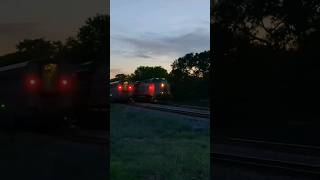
x: 121, y: 91
x: 50, y: 91
x: 150, y: 90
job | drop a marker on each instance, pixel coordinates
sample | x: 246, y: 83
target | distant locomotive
x: 121, y: 91
x: 152, y: 90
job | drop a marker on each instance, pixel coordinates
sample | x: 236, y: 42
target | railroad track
x: 272, y: 145
x: 175, y: 109
x: 267, y: 163
x: 304, y: 164
x: 185, y: 106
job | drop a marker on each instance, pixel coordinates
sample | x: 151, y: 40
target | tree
x: 91, y: 42
x: 146, y: 72
x: 189, y: 77
x: 93, y: 38
x: 37, y: 48
x: 266, y: 60
x: 121, y: 77
x: 72, y: 50
x: 197, y: 65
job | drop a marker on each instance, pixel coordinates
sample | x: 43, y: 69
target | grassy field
x: 148, y: 145
x: 204, y: 103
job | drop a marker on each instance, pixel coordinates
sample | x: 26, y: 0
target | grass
x: 204, y: 103
x: 145, y: 146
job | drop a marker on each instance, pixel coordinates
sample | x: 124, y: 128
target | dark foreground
x: 27, y: 153
x: 226, y: 171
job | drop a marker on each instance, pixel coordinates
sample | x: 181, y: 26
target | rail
x: 266, y: 154
x: 175, y: 109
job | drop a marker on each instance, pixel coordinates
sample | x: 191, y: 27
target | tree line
x: 266, y: 58
x: 89, y: 44
x: 189, y: 77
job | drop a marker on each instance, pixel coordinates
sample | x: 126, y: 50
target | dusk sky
x: 155, y: 32
x: 51, y: 19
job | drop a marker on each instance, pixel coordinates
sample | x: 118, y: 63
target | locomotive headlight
x: 162, y: 85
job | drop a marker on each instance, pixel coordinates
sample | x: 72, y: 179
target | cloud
x: 115, y: 71
x: 152, y: 45
x: 141, y: 55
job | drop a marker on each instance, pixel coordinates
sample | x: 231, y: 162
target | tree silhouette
x: 37, y: 48
x: 146, y: 72
x: 266, y: 61
x: 93, y: 38
x: 189, y: 77
x: 121, y: 77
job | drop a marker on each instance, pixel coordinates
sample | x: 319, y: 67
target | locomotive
x: 150, y: 90
x: 48, y: 90
x: 121, y: 91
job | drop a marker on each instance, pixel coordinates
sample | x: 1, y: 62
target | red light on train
x: 151, y: 88
x: 119, y: 87
x: 130, y: 87
x: 32, y: 82
x: 65, y: 83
